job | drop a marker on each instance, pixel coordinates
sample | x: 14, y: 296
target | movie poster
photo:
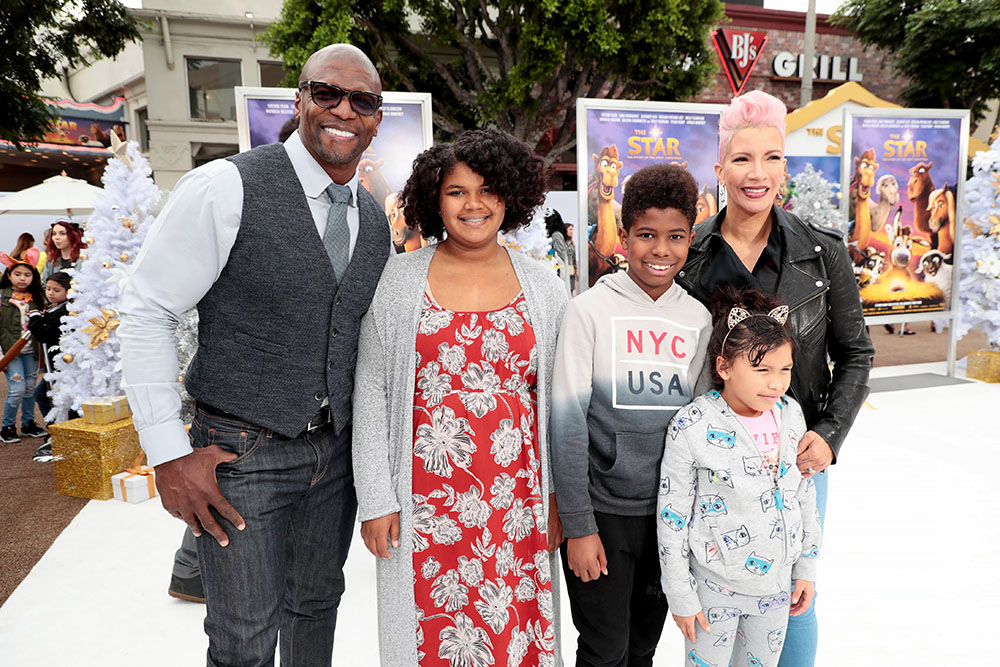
x: 404, y: 133
x: 265, y: 116
x: 903, y: 175
x: 622, y: 137
x: 86, y: 124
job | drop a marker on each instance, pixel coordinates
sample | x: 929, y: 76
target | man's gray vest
x: 276, y: 335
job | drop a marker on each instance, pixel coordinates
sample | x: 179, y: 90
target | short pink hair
x: 753, y: 109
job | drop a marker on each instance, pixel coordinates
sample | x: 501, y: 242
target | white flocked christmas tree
x: 979, y: 286
x: 89, y: 364
x: 812, y: 199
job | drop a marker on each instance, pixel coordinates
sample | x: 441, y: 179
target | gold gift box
x: 87, y: 455
x: 106, y: 409
x: 983, y: 365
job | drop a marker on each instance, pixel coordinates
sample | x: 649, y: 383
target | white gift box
x: 134, y: 485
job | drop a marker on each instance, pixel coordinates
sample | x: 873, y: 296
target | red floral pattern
x: 481, y: 569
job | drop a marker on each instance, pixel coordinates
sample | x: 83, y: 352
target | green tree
x: 949, y: 50
x: 515, y: 65
x: 42, y: 37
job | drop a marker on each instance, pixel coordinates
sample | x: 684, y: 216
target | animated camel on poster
x: 901, y: 257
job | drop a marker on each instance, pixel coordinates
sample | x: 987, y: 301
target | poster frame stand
x: 585, y: 104
x: 847, y: 170
x: 245, y: 93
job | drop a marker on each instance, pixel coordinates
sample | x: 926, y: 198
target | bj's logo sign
x: 738, y: 51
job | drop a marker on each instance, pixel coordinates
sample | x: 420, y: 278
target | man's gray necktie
x: 337, y: 237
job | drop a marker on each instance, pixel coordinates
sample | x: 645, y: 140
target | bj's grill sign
x: 738, y: 52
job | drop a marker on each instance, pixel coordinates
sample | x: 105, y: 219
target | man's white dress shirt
x: 182, y: 257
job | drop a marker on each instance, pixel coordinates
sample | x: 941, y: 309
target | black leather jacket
x: 818, y: 284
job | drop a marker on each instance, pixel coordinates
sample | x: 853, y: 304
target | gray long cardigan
x: 383, y: 424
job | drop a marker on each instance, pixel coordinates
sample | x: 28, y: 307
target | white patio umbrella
x: 57, y: 195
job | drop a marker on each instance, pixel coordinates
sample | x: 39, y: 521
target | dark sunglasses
x: 329, y: 96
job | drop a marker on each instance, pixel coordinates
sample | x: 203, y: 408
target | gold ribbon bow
x: 138, y: 470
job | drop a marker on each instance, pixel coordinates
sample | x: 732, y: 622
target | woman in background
x: 63, y: 247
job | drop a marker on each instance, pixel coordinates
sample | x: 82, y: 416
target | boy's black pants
x: 619, y: 616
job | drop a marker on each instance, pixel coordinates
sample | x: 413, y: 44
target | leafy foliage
x: 949, y: 50
x: 40, y: 37
x: 514, y: 65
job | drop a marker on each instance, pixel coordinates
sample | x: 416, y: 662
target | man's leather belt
x: 319, y: 420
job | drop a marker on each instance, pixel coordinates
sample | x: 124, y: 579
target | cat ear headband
x: 737, y: 314
x: 31, y: 256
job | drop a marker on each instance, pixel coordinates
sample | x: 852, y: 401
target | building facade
x: 838, y: 58
x: 178, y: 83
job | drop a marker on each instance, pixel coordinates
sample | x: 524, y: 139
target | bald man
x: 280, y: 250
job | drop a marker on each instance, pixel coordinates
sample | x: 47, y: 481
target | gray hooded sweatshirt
x: 624, y: 365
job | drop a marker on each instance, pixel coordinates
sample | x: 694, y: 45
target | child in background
x: 20, y: 293
x: 629, y: 352
x: 737, y: 521
x: 45, y: 328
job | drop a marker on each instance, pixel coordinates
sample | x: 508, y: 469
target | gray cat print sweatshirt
x: 624, y: 365
x: 724, y: 521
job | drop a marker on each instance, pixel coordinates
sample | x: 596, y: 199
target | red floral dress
x: 481, y: 569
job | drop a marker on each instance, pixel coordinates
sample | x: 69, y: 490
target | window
x: 211, y: 86
x: 271, y: 74
x: 142, y: 129
x: 205, y: 153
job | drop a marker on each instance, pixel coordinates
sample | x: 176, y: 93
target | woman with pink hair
x: 753, y: 243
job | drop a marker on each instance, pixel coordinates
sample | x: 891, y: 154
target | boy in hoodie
x: 631, y: 351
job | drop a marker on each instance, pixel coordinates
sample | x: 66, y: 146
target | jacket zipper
x: 792, y: 310
x: 779, y: 498
x: 814, y: 296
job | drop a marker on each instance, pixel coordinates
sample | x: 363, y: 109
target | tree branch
x: 473, y: 61
x: 506, y: 57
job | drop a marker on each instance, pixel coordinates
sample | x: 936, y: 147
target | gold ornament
x: 101, y: 327
x: 973, y: 228
x: 83, y: 255
x: 70, y: 292
x: 68, y: 358
x: 72, y: 313
x: 996, y: 181
x: 180, y: 378
x: 128, y: 224
x: 106, y: 265
x: 995, y: 222
x: 124, y: 256
x: 88, y: 240
x: 995, y: 134
x: 979, y: 262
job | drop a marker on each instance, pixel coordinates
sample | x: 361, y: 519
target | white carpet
x: 908, y: 574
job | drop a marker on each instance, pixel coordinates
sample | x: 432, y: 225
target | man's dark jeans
x: 284, y: 572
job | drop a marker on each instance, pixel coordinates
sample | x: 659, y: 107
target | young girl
x: 738, y: 530
x: 45, y: 328
x: 20, y: 293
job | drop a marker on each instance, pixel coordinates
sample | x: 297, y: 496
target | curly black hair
x: 554, y: 223
x: 659, y: 186
x: 508, y: 166
x: 754, y: 337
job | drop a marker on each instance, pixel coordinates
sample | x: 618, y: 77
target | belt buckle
x: 322, y: 418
